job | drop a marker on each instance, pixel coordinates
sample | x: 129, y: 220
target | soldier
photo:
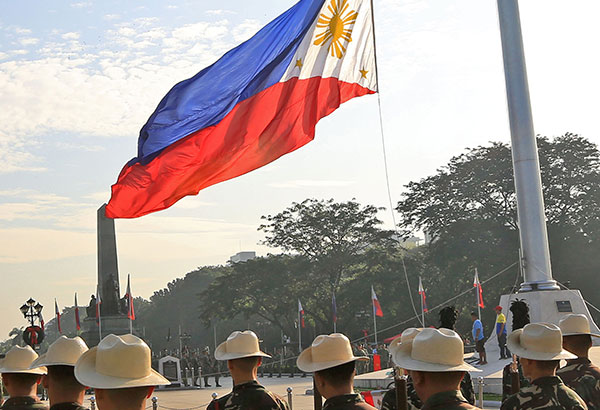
x: 20, y: 380
x: 580, y: 374
x: 243, y: 356
x: 539, y: 347
x: 389, y: 398
x: 64, y: 391
x: 332, y: 363
x: 434, y: 360
x: 209, y: 365
x: 520, y: 318
x: 119, y: 369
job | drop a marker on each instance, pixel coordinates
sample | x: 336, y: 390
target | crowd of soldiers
x: 120, y: 370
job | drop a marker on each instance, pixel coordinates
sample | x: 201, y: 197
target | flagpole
x: 477, y: 293
x: 299, y: 330
x: 533, y: 233
x: 334, y: 306
x: 422, y: 307
x: 374, y: 323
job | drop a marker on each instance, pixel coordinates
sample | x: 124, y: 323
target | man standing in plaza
x: 580, y: 374
x: 539, y: 347
x: 479, y: 338
x: 243, y: 356
x: 501, y: 333
x: 332, y: 363
x: 64, y: 391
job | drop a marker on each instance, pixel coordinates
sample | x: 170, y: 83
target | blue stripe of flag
x: 206, y: 98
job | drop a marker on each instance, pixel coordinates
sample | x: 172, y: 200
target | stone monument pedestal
x: 544, y: 306
x: 115, y: 324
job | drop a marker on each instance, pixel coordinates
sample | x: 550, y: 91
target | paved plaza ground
x: 200, y: 398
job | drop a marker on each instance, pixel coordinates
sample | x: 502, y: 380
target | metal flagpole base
x: 539, y: 285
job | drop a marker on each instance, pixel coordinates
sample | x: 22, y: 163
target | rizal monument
x: 112, y: 309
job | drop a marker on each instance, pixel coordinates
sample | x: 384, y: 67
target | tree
x: 468, y: 208
x: 330, y: 234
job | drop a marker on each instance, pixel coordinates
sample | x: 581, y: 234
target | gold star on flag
x: 299, y: 63
x: 363, y: 73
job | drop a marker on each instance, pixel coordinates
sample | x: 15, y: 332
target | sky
x: 78, y: 79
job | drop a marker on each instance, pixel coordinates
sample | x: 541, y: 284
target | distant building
x: 409, y: 243
x: 242, y: 256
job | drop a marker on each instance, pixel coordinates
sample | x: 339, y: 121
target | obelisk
x: 108, y: 269
x: 113, y: 317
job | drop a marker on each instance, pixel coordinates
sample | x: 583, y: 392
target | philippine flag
x: 260, y: 101
x: 376, y: 306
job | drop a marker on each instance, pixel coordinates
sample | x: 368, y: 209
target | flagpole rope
x: 385, y: 163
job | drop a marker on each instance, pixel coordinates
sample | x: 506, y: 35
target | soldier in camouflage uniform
x: 243, y: 356
x: 20, y: 380
x: 434, y: 360
x: 209, y: 366
x: 539, y: 347
x: 333, y: 365
x: 520, y: 318
x: 448, y: 317
x: 580, y: 374
x: 64, y: 391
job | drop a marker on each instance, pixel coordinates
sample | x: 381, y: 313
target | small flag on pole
x: 423, y: 297
x: 376, y: 306
x: 477, y: 284
x: 98, y: 303
x: 77, y: 322
x: 334, y: 309
x: 130, y: 310
x: 57, y: 313
x: 301, y: 313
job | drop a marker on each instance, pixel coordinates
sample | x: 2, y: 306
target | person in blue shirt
x: 479, y: 338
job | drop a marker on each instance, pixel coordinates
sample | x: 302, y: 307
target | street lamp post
x: 32, y: 311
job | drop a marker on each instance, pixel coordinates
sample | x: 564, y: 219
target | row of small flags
x: 130, y: 309
x: 377, y: 311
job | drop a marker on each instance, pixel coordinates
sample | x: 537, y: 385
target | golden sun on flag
x: 337, y: 25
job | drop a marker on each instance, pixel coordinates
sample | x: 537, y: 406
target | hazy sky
x: 79, y: 79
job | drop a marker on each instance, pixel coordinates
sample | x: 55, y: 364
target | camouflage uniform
x: 209, y: 366
x: 546, y: 392
x: 448, y: 400
x: 414, y: 402
x: 248, y: 396
x: 347, y: 402
x: 583, y: 377
x: 507, y: 381
x: 23, y: 403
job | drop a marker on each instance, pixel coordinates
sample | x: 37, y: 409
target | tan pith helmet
x: 433, y: 350
x: 327, y: 351
x: 239, y: 345
x: 575, y: 324
x: 19, y: 360
x: 538, y: 341
x: 118, y: 362
x: 64, y: 351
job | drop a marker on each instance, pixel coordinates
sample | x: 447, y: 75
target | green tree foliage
x: 469, y: 209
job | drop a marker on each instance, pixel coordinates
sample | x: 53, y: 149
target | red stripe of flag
x: 77, y: 322
x: 301, y: 311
